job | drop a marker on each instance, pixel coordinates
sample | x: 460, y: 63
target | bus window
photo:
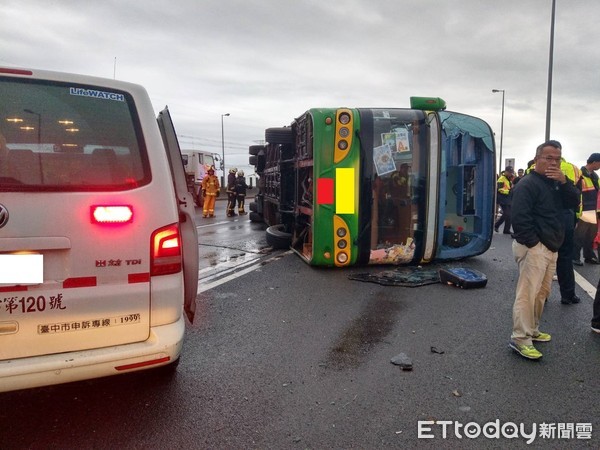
x: 378, y: 186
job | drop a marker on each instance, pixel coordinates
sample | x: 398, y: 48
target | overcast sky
x: 267, y: 61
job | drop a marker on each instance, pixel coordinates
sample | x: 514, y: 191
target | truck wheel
x: 281, y: 135
x: 278, y: 238
x: 255, y: 217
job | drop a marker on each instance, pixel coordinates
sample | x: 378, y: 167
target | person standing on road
x: 520, y: 174
x: 231, y: 197
x: 539, y: 230
x: 585, y: 230
x: 596, y: 307
x: 210, y: 192
x: 240, y: 192
x: 564, y: 264
x: 504, y: 199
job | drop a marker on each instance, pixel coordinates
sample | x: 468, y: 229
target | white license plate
x: 22, y: 269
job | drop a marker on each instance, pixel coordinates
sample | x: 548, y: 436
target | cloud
x: 266, y: 62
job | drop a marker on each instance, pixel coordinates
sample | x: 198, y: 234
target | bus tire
x: 282, y: 135
x: 255, y: 149
x: 278, y: 238
x: 255, y: 217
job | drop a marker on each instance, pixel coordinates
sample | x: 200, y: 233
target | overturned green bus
x: 345, y: 186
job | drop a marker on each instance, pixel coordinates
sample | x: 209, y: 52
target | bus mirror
x: 427, y: 103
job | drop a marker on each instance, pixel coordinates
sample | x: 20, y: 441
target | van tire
x: 278, y: 238
x: 255, y: 217
x: 282, y: 135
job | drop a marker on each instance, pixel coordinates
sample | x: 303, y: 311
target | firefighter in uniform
x: 504, y: 199
x: 210, y: 191
x: 240, y: 192
x: 231, y: 196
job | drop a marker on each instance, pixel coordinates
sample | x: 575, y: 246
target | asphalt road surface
x: 283, y: 355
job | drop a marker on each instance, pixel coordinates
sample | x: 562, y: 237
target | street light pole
x: 223, y: 147
x: 501, y: 127
x: 550, y: 64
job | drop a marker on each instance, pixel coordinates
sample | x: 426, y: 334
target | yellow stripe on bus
x: 344, y: 191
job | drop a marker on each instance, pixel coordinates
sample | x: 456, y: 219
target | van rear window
x: 69, y: 137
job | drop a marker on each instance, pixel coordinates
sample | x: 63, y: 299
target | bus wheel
x: 255, y: 217
x: 255, y: 149
x: 281, y: 135
x: 278, y: 238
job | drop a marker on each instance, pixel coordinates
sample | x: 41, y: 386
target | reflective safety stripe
x: 325, y: 191
x: 344, y: 191
x: 79, y: 282
x: 138, y: 277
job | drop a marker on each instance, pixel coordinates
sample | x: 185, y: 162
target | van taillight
x: 166, y: 251
x: 111, y: 214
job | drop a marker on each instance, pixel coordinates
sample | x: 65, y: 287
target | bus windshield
x: 396, y: 143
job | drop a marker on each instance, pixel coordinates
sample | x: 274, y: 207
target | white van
x: 98, y: 246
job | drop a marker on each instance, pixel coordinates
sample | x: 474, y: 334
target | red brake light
x: 15, y: 71
x: 111, y: 214
x: 166, y: 251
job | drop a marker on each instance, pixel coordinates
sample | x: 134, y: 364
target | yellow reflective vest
x: 504, y: 185
x: 573, y: 173
x: 589, y: 190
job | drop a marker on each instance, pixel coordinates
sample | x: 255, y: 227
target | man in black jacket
x: 539, y: 230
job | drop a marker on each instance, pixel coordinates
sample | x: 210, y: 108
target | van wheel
x: 255, y: 217
x: 278, y: 238
x: 281, y: 135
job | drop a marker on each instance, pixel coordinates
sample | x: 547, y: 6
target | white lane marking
x: 233, y: 276
x: 231, y: 263
x: 206, y: 287
x: 585, y: 285
x: 215, y: 223
x: 229, y: 270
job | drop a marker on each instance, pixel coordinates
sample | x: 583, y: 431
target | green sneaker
x: 542, y: 337
x: 526, y: 351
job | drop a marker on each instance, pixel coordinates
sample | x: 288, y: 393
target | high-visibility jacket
x: 572, y: 173
x: 588, y: 183
x: 210, y: 185
x: 504, y: 185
